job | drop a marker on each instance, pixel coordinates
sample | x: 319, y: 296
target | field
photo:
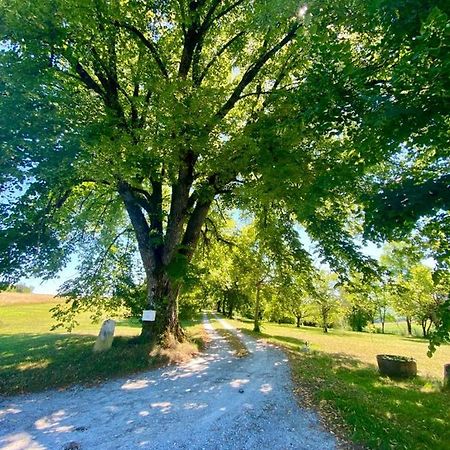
x: 33, y: 358
x: 338, y: 377
x: 363, y: 346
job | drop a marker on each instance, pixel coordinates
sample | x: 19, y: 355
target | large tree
x: 124, y: 121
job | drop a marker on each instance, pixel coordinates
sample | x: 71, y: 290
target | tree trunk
x: 256, y: 327
x: 430, y: 324
x: 424, y: 327
x: 299, y: 318
x: 158, y: 251
x: 218, y: 306
x: 382, y: 318
x: 409, y: 325
x: 325, y: 320
x: 163, y: 298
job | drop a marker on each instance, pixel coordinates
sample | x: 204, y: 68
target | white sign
x: 148, y: 315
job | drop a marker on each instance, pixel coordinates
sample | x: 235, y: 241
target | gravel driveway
x: 216, y: 401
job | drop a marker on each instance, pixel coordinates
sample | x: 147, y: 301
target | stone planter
x: 397, y: 366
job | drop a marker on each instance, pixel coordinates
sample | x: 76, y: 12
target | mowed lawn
x: 34, y: 358
x: 338, y: 376
x: 363, y: 346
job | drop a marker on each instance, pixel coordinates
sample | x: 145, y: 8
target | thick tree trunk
x: 299, y: 318
x: 158, y: 251
x: 163, y: 298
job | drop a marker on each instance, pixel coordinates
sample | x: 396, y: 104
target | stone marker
x: 447, y: 376
x: 105, y: 337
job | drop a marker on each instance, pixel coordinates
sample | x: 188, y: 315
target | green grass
x: 33, y: 358
x: 354, y: 400
x: 363, y: 346
x: 400, y: 328
x: 236, y: 345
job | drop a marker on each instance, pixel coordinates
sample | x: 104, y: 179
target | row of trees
x: 243, y: 275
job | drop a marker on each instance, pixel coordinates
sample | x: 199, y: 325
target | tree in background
x: 397, y: 259
x: 357, y: 296
x: 21, y: 288
x: 325, y: 299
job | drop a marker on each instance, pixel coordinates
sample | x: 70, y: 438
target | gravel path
x: 216, y: 401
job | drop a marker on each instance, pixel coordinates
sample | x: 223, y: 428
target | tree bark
x: 256, y: 327
x: 163, y: 295
x: 382, y: 318
x: 409, y: 325
x: 299, y: 318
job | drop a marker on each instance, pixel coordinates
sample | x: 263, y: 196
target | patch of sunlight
x: 239, y: 382
x: 164, y: 407
x: 20, y: 441
x: 431, y: 387
x: 50, y: 421
x: 29, y: 365
x: 7, y: 411
x: 266, y: 388
x: 134, y: 385
x: 194, y: 405
x: 439, y: 420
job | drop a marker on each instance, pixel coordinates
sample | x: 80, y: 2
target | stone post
x: 105, y: 337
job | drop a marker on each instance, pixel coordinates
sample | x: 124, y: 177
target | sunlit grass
x: 33, y: 358
x: 363, y: 346
x: 238, y: 347
x: 354, y: 400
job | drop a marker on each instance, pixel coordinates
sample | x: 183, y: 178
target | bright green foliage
x: 415, y: 291
x: 358, y: 299
x: 325, y: 302
x: 137, y: 117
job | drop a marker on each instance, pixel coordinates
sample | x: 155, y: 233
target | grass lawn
x: 33, y: 358
x: 339, y: 378
x: 363, y: 346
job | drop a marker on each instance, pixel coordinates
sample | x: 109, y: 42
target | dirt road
x: 216, y: 401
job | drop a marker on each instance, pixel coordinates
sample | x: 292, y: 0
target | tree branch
x: 140, y: 226
x: 225, y: 11
x: 194, y: 226
x: 88, y: 80
x: 149, y: 44
x: 179, y: 204
x: 252, y: 71
x: 201, y: 77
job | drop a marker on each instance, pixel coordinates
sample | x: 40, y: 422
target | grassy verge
x: 360, y: 405
x: 238, y: 347
x: 32, y: 358
x: 362, y: 346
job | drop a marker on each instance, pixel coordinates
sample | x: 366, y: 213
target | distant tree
x: 21, y: 288
x: 325, y: 299
x: 358, y: 300
x: 397, y: 259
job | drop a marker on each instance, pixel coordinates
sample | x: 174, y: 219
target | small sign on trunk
x: 148, y: 315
